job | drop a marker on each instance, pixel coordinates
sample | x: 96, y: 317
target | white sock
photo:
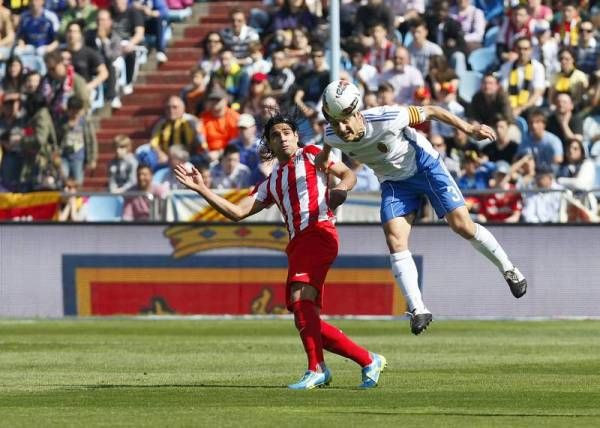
x: 486, y: 244
x: 407, y: 278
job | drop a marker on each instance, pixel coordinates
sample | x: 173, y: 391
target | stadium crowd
x: 527, y: 68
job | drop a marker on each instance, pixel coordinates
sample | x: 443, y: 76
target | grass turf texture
x: 233, y: 373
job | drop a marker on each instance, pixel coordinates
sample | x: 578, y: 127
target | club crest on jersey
x: 382, y: 148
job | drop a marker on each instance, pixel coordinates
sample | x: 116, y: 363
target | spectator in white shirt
x: 422, y: 49
x: 404, y: 77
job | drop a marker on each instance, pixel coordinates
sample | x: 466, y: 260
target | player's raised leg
x: 483, y: 241
x: 397, y: 231
x: 308, y: 323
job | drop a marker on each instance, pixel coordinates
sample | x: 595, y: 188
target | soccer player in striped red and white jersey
x: 300, y: 191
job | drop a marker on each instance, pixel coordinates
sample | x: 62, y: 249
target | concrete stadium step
x: 180, y: 77
x: 98, y: 183
x: 187, y: 43
x: 184, y: 54
x: 138, y: 110
x: 199, y: 32
x: 145, y: 99
x: 131, y: 132
x: 157, y: 88
x: 105, y: 145
x: 178, y: 65
x: 124, y: 121
x: 215, y: 18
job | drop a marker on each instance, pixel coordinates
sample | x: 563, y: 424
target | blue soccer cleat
x: 370, y: 373
x: 312, y: 380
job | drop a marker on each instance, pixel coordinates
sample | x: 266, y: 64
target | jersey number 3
x: 454, y: 193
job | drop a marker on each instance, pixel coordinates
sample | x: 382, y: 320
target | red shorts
x: 310, y: 254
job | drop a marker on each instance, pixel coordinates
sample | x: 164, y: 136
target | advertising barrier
x: 95, y: 270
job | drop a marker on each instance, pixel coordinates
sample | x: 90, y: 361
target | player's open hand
x: 190, y: 177
x: 337, y: 196
x: 483, y: 132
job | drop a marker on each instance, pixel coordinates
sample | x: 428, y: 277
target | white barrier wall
x: 562, y: 263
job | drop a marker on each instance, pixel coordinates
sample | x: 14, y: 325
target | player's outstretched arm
x: 322, y: 159
x: 339, y: 193
x: 479, y: 132
x: 192, y: 179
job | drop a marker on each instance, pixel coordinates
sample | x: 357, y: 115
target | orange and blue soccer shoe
x: 312, y: 380
x: 370, y: 373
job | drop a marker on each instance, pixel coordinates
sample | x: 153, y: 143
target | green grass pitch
x: 233, y: 373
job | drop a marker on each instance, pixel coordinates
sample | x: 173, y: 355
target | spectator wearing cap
x: 504, y: 206
x: 232, y: 77
x: 122, y: 168
x: 545, y: 47
x: 568, y: 79
x: 218, y: 122
x: 563, y: 122
x: 176, y: 127
x: 489, y: 102
x: 422, y: 49
x: 259, y: 88
x: 523, y: 79
x: 588, y: 50
x: 543, y: 207
x: 230, y: 173
x: 239, y: 35
x: 12, y: 133
x: 545, y: 147
x: 193, y: 93
x: 37, y: 30
x: 281, y: 77
x: 247, y: 142
x: 404, y: 77
x: 503, y: 149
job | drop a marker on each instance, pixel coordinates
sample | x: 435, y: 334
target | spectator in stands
x: 577, y: 172
x: 108, y: 43
x: 179, y: 10
x: 60, y: 84
x: 503, y: 149
x: 230, y: 173
x: 504, y: 206
x: 563, y: 122
x: 7, y: 33
x: 404, y: 77
x: 447, y: 33
x: 523, y: 79
x: 176, y: 127
x: 370, y: 99
x: 259, y: 64
x: 490, y: 101
x: 366, y: 180
x: 380, y: 52
x: 546, y: 148
x: 517, y: 25
x: 79, y: 10
x: 281, y: 78
x: 311, y: 84
x: 247, y: 142
x: 588, y: 50
x: 177, y: 155
x: 193, y: 93
x: 566, y: 28
x: 218, y: 122
x: 204, y: 170
x: 77, y: 141
x: 298, y: 51
x: 128, y: 23
x: 15, y: 75
x: 155, y: 14
x: 422, y: 49
x: 122, y: 168
x: 37, y: 30
x: 439, y: 144
x: 364, y: 75
x: 543, y: 207
x: 72, y: 208
x: 293, y: 14
x: 232, y: 77
x: 142, y: 207
x: 447, y: 100
x: 459, y: 145
x: 269, y: 107
x: 12, y: 134
x: 386, y: 95
x: 41, y: 159
x: 545, y: 48
x: 472, y: 22
x: 476, y: 173
x: 86, y: 61
x: 539, y: 11
x: 568, y: 79
x: 591, y: 134
x: 440, y: 74
x: 375, y: 12
x: 259, y: 88
x: 406, y: 11
x: 239, y: 35
x: 212, y: 45
x: 32, y: 84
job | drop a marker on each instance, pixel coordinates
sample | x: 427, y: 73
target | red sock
x: 334, y: 340
x: 308, y: 324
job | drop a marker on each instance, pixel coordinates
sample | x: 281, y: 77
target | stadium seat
x: 522, y: 125
x: 469, y: 84
x: 33, y: 62
x: 104, y: 208
x: 482, y: 59
x: 491, y: 35
x: 159, y: 175
x: 492, y: 9
x: 408, y: 38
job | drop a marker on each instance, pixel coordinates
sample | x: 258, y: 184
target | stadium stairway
x: 156, y: 82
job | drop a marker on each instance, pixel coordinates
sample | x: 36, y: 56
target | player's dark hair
x: 290, y: 119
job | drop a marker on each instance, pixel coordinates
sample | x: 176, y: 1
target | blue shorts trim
x: 400, y: 198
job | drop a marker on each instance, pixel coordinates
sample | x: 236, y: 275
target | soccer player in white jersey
x: 299, y: 190
x: 408, y: 167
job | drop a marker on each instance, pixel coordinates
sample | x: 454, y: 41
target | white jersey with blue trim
x: 392, y: 149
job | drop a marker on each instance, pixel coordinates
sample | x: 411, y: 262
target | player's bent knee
x: 303, y: 291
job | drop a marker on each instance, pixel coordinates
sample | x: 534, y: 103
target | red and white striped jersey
x: 299, y: 190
